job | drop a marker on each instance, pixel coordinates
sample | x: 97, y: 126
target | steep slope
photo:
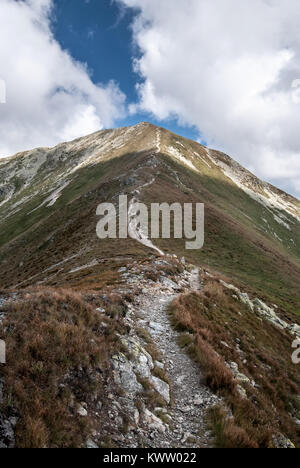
x: 252, y: 229
x: 48, y: 202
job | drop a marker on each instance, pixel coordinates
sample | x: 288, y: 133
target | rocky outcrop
x: 153, y: 422
x: 124, y: 374
x: 137, y: 364
x: 263, y: 310
x: 142, y: 362
x: 282, y: 442
x: 162, y: 388
x: 7, y: 431
x: 239, y: 377
x: 167, y: 425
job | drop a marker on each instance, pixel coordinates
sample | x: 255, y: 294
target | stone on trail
x: 162, y: 388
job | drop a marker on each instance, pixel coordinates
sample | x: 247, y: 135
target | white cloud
x: 49, y: 96
x: 226, y: 67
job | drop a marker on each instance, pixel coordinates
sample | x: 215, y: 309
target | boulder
x: 269, y: 314
x: 124, y: 374
x: 295, y: 330
x: 160, y: 365
x: 153, y: 422
x: 198, y: 402
x: 168, y: 283
x: 156, y: 327
x: 90, y: 444
x: 142, y: 362
x: 239, y: 377
x: 82, y: 411
x: 7, y: 431
x: 244, y: 298
x: 162, y: 388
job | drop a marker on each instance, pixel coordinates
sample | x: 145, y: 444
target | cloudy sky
x: 224, y: 72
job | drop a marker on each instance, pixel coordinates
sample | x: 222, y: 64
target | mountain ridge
x: 37, y: 183
x: 166, y: 323
x: 5, y: 159
x: 221, y: 159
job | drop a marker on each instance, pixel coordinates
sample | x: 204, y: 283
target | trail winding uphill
x: 190, y: 398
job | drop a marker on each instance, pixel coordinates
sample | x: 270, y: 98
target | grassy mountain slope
x: 56, y: 271
x: 48, y: 210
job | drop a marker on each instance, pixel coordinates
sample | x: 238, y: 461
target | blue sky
x: 98, y: 33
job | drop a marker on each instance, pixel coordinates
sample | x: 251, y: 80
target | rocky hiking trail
x: 181, y: 422
x: 190, y: 398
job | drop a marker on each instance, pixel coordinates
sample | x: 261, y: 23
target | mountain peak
x: 250, y: 273
x: 64, y: 160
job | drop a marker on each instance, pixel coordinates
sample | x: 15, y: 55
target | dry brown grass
x: 149, y: 345
x: 150, y: 395
x: 227, y: 433
x: 218, y: 376
x: 57, y: 356
x: 217, y: 329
